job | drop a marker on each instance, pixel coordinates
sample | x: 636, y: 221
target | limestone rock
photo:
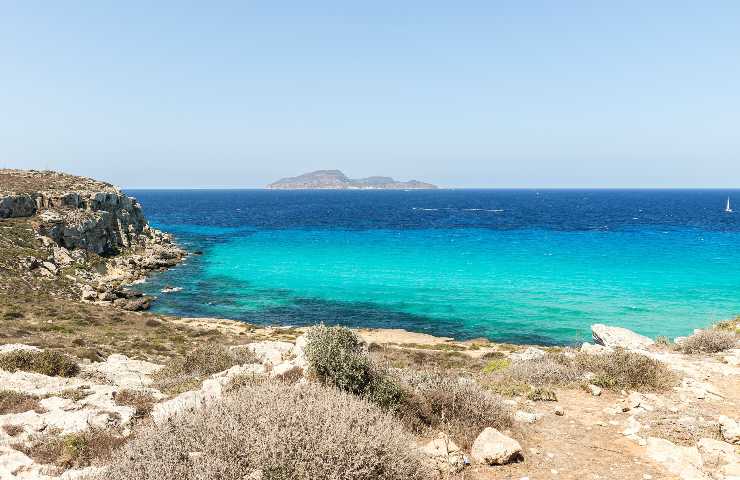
x: 685, y: 462
x: 594, y: 389
x: 530, y: 353
x: 124, y: 372
x: 716, y: 453
x: 730, y: 430
x: 494, y: 448
x: 526, y: 417
x: 270, y: 351
x: 619, y: 337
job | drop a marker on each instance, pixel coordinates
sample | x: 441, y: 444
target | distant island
x: 336, y: 180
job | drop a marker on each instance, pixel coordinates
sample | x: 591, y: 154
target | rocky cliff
x: 336, y: 180
x: 84, y: 230
x: 75, y: 212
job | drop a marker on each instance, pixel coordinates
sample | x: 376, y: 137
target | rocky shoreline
x: 89, y: 232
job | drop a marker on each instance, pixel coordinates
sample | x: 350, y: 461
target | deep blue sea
x: 524, y: 266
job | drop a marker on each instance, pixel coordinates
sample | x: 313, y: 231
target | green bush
x: 337, y: 357
x: 46, y: 362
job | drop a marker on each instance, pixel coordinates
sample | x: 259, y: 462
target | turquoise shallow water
x: 534, y: 284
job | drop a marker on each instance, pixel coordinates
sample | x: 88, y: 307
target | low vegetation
x: 75, y: 450
x: 46, y: 362
x: 709, y: 341
x: 337, y: 357
x: 141, y: 402
x: 17, y: 402
x: 615, y: 370
x: 272, y: 430
x: 188, y: 371
x: 457, y: 406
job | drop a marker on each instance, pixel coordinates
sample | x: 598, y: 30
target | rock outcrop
x: 494, y: 448
x: 613, y: 337
x: 93, y: 228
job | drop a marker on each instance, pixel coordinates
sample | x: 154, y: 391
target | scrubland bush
x: 75, y: 450
x: 709, y: 341
x: 187, y: 372
x: 17, y: 402
x: 617, y: 370
x: 47, y: 362
x: 459, y: 406
x: 337, y: 357
x: 141, y: 402
x: 274, y: 431
x: 621, y: 369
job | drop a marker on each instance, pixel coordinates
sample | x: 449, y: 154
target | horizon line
x: 433, y: 189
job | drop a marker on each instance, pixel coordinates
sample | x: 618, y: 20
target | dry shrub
x: 187, y: 372
x: 141, y: 402
x: 552, y: 369
x: 47, y: 362
x: 623, y: 370
x: 616, y: 370
x: 12, y: 430
x: 709, y: 341
x: 542, y: 394
x: 459, y: 406
x: 75, y: 450
x: 681, y: 430
x: 17, y: 402
x: 396, y: 357
x: 297, y: 432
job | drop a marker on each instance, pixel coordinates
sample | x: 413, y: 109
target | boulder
x: 594, y: 389
x: 618, y: 337
x: 526, y: 417
x: 441, y: 446
x: 270, y: 351
x: 684, y: 462
x: 494, y: 448
x: 88, y: 293
x: 134, y: 304
x: 716, y: 453
x: 530, y: 353
x: 730, y: 430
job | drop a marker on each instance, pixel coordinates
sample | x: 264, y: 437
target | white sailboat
x: 728, y: 209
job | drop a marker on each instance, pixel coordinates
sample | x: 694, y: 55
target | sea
x: 519, y: 266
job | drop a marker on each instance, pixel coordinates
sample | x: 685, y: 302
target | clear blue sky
x: 463, y: 93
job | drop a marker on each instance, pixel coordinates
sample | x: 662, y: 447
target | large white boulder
x: 494, y: 448
x: 619, y: 337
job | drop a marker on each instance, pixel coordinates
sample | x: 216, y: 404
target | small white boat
x: 728, y: 208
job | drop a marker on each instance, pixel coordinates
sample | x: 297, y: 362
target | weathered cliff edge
x: 88, y: 231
